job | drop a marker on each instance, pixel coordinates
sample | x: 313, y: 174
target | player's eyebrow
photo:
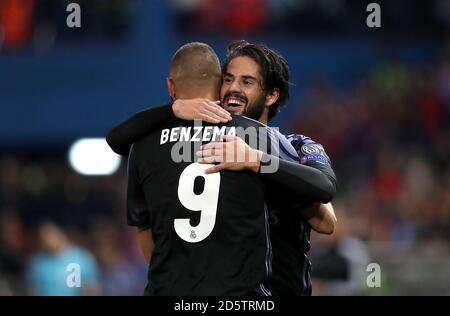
x: 227, y: 74
x: 250, y: 77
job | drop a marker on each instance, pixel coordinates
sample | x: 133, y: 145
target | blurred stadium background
x: 378, y: 99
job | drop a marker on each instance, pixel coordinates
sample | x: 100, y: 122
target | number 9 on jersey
x: 206, y: 202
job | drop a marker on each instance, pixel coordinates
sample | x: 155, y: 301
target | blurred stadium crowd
x: 287, y: 17
x: 388, y: 136
x: 40, y: 24
x: 89, y: 212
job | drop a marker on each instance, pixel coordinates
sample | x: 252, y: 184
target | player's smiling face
x: 242, y: 90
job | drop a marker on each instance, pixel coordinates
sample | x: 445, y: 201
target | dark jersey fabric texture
x: 210, y: 232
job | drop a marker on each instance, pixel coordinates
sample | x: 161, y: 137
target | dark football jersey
x: 210, y: 232
x: 284, y: 196
x: 289, y: 231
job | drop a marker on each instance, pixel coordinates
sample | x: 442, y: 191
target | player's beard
x: 253, y: 110
x: 256, y: 109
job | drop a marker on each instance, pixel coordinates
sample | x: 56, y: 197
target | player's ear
x: 171, y: 88
x: 272, y: 97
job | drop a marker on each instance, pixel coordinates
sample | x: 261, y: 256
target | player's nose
x: 235, y: 86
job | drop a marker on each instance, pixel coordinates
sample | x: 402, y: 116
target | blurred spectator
x: 16, y: 21
x: 13, y: 250
x: 233, y: 16
x: 308, y: 16
x: 48, y: 270
x: 339, y: 261
x: 120, y: 274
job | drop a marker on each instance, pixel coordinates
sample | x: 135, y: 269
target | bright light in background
x: 93, y: 157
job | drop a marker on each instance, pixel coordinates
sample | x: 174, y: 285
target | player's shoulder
x: 143, y: 142
x: 243, y: 121
x: 299, y: 140
x: 150, y: 141
x: 308, y: 149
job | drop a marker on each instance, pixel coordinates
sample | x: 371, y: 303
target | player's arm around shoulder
x: 200, y: 109
x: 321, y: 217
x: 122, y: 136
x: 232, y: 153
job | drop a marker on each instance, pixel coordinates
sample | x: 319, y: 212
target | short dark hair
x: 195, y: 64
x: 274, y: 69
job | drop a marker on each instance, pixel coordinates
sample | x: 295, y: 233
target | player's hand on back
x: 200, y: 109
x: 231, y: 154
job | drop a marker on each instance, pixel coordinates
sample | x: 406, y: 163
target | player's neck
x: 264, y: 118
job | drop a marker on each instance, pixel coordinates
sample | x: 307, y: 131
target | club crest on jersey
x: 193, y: 234
x: 310, y: 149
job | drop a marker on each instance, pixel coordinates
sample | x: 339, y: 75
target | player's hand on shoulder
x: 231, y: 154
x: 200, y: 109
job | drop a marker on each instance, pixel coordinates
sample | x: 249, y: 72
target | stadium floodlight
x: 93, y: 157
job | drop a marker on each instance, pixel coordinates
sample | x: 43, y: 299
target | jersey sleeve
x: 312, y: 154
x: 138, y: 213
x: 315, y: 181
x: 309, y: 151
x: 304, y: 180
x: 121, y: 137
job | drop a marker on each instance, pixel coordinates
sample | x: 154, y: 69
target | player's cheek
x: 223, y: 91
